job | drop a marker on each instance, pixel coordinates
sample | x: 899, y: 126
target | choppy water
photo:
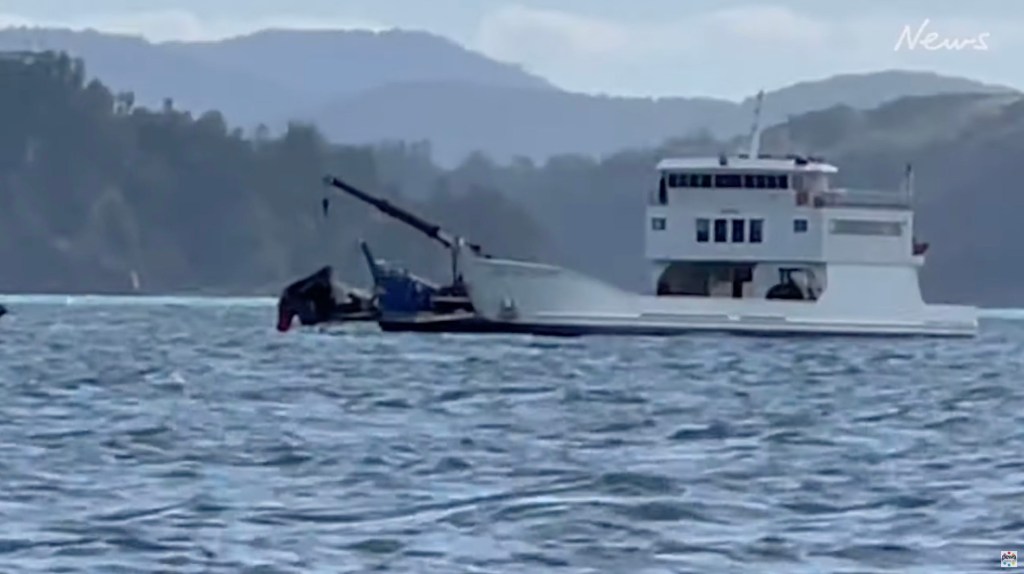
x: 197, y: 439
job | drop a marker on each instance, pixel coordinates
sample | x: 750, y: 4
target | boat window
x: 738, y: 229
x: 771, y: 182
x: 662, y: 192
x: 705, y: 180
x: 673, y: 180
x: 749, y: 181
x: 783, y: 182
x: 730, y: 180
x: 720, y: 231
x: 756, y: 230
x: 759, y: 182
x: 658, y: 223
x: 799, y: 226
x: 703, y: 230
x: 865, y: 227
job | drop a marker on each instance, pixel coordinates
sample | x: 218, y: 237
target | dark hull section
x: 442, y: 324
x: 317, y: 299
x: 483, y: 326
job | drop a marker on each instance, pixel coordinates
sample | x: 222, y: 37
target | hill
x: 363, y: 87
x: 459, y: 118
x: 269, y: 76
x: 335, y: 63
x: 153, y: 74
x: 867, y: 91
x: 93, y: 188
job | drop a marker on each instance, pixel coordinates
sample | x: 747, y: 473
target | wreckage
x: 400, y: 300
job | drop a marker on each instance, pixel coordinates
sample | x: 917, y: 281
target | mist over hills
x: 364, y: 87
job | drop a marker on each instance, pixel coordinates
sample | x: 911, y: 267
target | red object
x: 284, y: 319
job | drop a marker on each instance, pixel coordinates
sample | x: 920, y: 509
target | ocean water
x: 175, y: 436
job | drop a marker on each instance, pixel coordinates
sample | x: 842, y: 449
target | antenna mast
x: 755, y: 129
x: 908, y: 181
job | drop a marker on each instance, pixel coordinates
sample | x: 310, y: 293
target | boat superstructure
x: 746, y: 242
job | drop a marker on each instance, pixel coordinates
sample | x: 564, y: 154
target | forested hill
x: 364, y: 87
x: 93, y: 189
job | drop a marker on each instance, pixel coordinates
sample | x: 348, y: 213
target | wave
x: 152, y: 300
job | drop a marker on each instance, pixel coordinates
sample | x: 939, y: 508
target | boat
x: 318, y: 299
x: 400, y: 301
x: 746, y: 243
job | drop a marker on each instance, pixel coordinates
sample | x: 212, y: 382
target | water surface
x: 194, y: 438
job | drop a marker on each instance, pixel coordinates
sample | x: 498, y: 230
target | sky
x: 717, y: 48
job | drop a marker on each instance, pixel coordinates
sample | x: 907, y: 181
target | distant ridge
x: 366, y: 86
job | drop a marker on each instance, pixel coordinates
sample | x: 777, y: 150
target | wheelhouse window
x: 721, y: 235
x: 799, y: 226
x: 689, y: 180
x: 756, y: 230
x: 658, y: 223
x: 765, y: 181
x: 703, y: 230
x: 728, y: 180
x: 739, y: 227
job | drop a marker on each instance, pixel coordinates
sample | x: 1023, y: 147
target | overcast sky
x: 719, y: 48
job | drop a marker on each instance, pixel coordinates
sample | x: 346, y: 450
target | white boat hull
x: 545, y: 299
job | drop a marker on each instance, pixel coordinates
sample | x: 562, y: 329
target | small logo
x: 1008, y: 559
x: 932, y: 41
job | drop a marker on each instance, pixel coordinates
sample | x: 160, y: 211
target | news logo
x: 1008, y: 559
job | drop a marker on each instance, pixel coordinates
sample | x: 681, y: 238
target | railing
x: 868, y: 199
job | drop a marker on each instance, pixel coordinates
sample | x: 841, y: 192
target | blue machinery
x: 401, y: 301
